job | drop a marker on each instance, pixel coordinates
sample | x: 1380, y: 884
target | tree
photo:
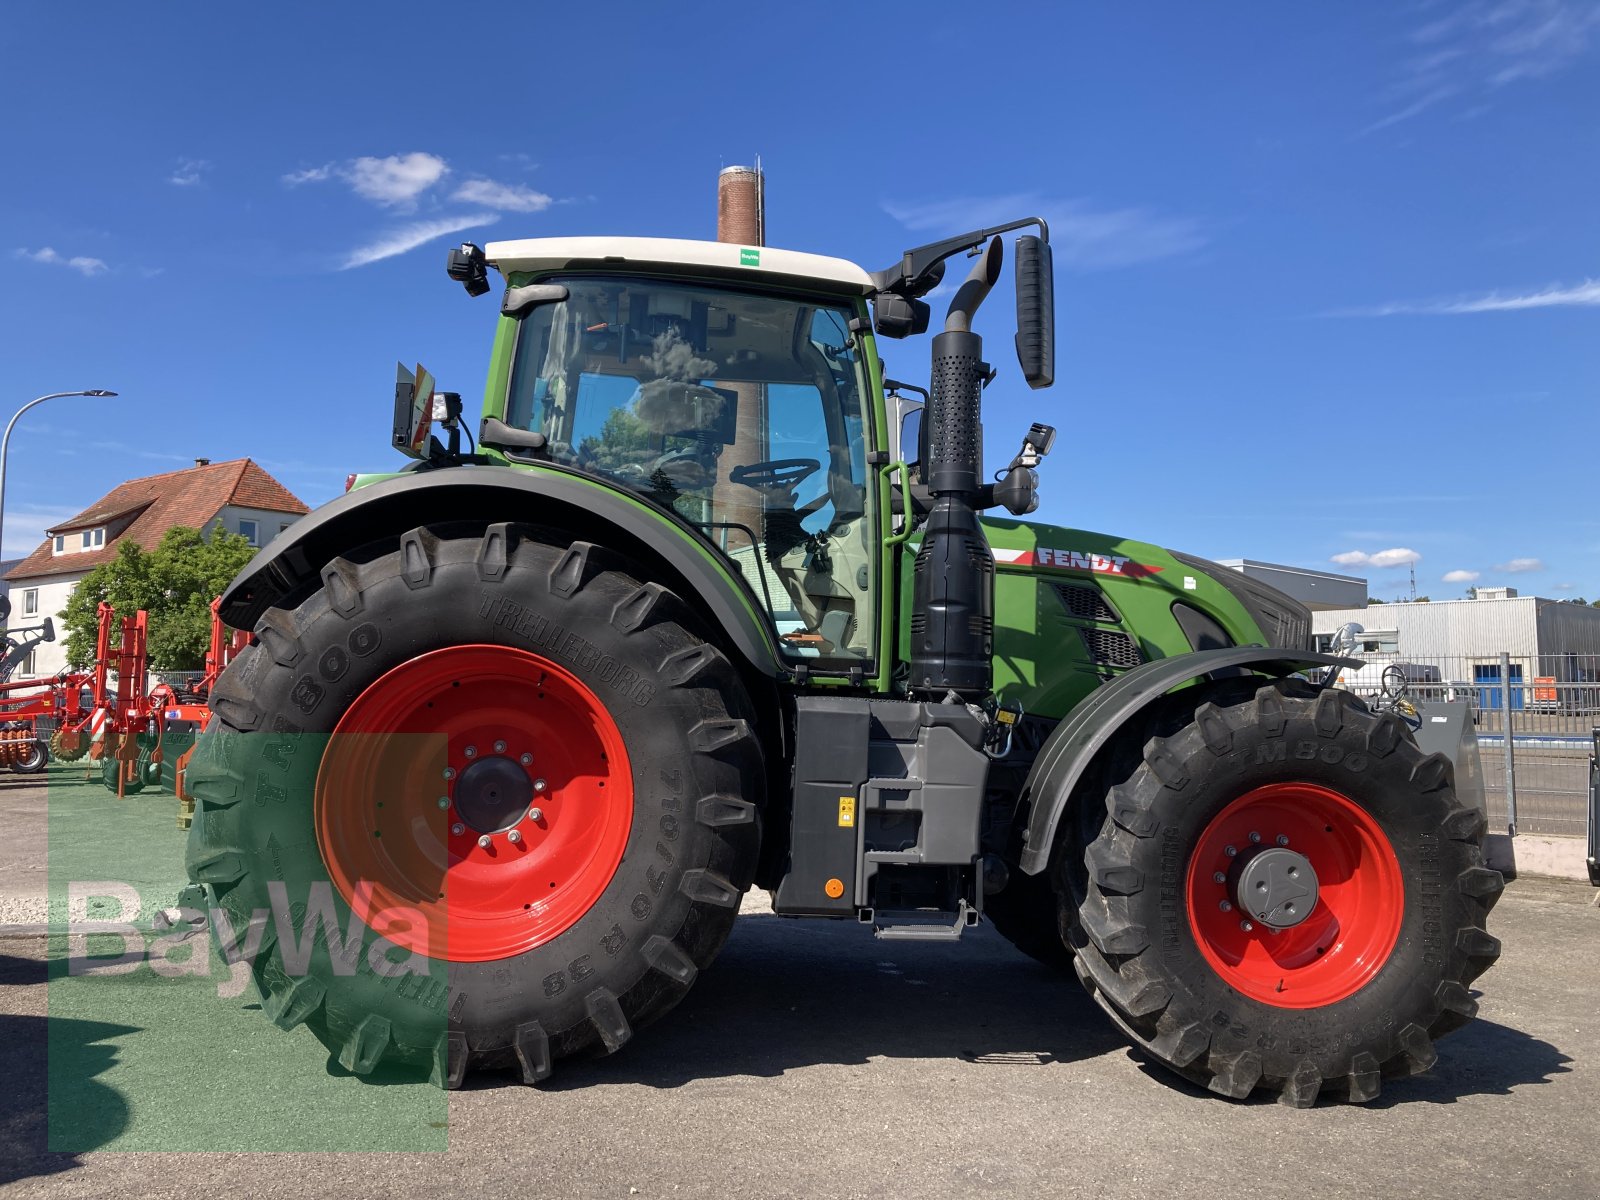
x: 1472, y: 593
x: 174, y: 583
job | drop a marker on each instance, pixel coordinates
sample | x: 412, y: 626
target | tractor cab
x: 743, y: 414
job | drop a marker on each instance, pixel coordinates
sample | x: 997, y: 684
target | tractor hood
x: 1250, y: 611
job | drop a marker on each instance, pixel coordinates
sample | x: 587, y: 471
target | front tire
x: 395, y: 729
x: 1329, y: 999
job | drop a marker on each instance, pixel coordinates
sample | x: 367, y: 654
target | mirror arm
x: 915, y: 264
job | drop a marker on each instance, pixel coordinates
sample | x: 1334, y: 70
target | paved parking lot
x: 812, y: 1061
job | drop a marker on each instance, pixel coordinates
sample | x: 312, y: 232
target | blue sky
x: 1328, y: 280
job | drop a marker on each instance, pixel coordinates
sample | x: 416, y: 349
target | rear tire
x: 1379, y: 969
x: 492, y: 994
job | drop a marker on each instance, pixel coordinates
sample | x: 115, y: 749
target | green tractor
x: 709, y: 604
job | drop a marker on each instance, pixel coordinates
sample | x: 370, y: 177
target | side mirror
x: 1036, y: 311
x: 468, y: 267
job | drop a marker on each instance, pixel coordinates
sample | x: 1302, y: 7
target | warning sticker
x: 847, y: 812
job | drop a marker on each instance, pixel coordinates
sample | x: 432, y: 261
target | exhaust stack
x: 952, y: 622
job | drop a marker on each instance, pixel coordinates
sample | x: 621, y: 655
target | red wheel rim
x: 1350, y: 932
x: 466, y: 744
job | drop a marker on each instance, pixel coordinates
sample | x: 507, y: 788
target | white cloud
x: 1480, y: 46
x: 82, y: 264
x: 1080, y: 235
x: 1564, y: 587
x: 395, y: 181
x: 309, y: 175
x: 507, y: 197
x: 25, y: 528
x: 409, y: 237
x: 1518, y: 566
x: 188, y: 172
x: 1582, y: 295
x: 1383, y: 560
x: 1460, y: 576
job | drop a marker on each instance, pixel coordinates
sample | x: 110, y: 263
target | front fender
x: 1073, y: 745
x: 671, y: 551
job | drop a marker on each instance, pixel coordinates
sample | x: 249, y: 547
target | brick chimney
x: 741, y: 206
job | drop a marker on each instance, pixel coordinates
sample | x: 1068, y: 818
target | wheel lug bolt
x: 1255, y: 838
x: 526, y: 759
x: 471, y: 752
x: 484, y: 839
x: 499, y: 747
x: 444, y: 801
x: 1283, y: 839
x: 1246, y: 926
x: 540, y: 785
x: 1230, y: 851
x: 458, y: 829
x: 1219, y: 877
x: 513, y: 837
x: 1226, y: 906
x: 536, y: 814
x: 449, y: 772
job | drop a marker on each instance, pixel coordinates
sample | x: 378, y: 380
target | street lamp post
x: 5, y: 444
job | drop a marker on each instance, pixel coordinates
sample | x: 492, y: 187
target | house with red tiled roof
x: 236, y: 495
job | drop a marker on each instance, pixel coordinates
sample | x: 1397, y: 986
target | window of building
x: 284, y: 528
x: 61, y: 542
x: 85, y: 536
x: 249, y: 531
x: 25, y: 667
x: 30, y: 602
x: 99, y: 537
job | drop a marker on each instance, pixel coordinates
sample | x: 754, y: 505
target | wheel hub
x: 1276, y: 886
x: 493, y: 793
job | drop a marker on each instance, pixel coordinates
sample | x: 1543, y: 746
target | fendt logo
x: 1078, y: 560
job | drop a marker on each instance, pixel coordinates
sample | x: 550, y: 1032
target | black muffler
x: 952, y: 620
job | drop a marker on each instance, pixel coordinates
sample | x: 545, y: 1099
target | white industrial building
x: 1544, y: 639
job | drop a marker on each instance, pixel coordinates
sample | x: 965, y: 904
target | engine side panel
x: 1076, y: 609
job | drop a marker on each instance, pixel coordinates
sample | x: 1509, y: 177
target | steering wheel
x: 775, y: 473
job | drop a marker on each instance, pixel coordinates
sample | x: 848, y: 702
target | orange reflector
x: 834, y: 888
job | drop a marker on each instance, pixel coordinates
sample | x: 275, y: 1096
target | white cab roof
x: 545, y: 254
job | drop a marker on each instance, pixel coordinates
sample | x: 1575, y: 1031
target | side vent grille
x: 1087, y: 603
x: 1111, y: 648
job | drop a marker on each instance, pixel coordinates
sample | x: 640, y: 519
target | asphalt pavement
x: 809, y: 1061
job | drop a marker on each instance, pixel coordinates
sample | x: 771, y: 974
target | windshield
x: 742, y: 413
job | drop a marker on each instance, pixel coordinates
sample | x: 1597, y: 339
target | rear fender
x: 553, y: 498
x: 1073, y: 747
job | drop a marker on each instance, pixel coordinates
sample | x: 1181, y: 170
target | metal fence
x: 1543, y: 709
